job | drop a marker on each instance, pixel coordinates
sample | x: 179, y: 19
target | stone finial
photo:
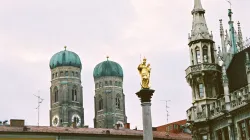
x: 247, y: 57
x: 65, y: 47
x: 221, y: 28
x: 107, y: 58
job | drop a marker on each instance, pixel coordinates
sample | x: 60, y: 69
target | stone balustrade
x: 203, y: 67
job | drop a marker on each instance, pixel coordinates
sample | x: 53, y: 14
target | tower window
x: 76, y: 74
x: 116, y: 84
x: 56, y: 95
x: 100, y: 84
x: 56, y: 74
x: 106, y: 83
x: 96, y: 85
x: 192, y: 55
x: 66, y: 73
x: 73, y: 74
x: 53, y: 76
x: 205, y: 54
x: 100, y: 104
x: 117, y: 102
x: 242, y: 130
x: 110, y: 83
x: 74, y: 94
x: 201, y: 90
x: 198, y: 55
x: 61, y: 73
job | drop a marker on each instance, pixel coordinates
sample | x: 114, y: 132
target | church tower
x: 109, y: 97
x: 204, y: 74
x: 66, y: 98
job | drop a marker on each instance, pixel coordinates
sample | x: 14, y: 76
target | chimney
x: 16, y: 123
x: 74, y: 124
x: 117, y: 126
x: 127, y: 125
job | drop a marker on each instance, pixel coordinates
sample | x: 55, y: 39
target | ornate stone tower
x: 204, y: 73
x: 66, y: 91
x: 109, y: 97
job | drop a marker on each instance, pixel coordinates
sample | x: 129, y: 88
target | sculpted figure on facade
x: 144, y: 70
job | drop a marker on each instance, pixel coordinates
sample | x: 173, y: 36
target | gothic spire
x: 232, y: 32
x: 199, y: 28
x: 198, y: 7
x: 240, y: 37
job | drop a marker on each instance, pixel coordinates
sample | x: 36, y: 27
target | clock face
x: 55, y: 120
x: 76, y: 118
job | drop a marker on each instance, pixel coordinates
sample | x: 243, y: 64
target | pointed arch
x: 198, y: 55
x: 205, y: 54
x: 100, y: 103
x: 55, y: 94
x: 192, y: 55
x: 201, y: 90
x: 74, y: 93
x: 118, y: 101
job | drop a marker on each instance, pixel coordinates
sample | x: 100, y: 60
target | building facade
x: 220, y: 83
x: 174, y: 127
x: 66, y: 106
x: 109, y: 98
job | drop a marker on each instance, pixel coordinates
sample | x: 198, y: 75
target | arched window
x: 74, y: 94
x: 192, y: 55
x: 201, y: 90
x: 120, y: 84
x: 118, y: 102
x: 110, y: 83
x: 55, y: 94
x: 96, y: 85
x: 205, y: 54
x: 198, y: 55
x: 61, y: 73
x: 100, y: 104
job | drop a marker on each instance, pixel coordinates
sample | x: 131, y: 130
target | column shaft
x: 147, y: 121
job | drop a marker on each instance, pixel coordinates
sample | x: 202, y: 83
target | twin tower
x: 66, y: 92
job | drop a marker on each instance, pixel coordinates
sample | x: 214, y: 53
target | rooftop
x: 87, y: 131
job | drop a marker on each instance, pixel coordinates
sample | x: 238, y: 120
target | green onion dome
x: 108, y: 68
x: 65, y: 58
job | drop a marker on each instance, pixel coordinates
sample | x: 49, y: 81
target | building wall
x: 65, y: 79
x: 108, y: 89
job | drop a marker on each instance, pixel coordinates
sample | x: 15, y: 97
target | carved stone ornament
x: 199, y: 80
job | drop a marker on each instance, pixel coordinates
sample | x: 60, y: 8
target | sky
x: 32, y: 31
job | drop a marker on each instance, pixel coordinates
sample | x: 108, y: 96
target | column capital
x: 145, y: 95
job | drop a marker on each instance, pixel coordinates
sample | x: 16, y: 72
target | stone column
x: 145, y: 96
x: 247, y: 136
x: 230, y: 132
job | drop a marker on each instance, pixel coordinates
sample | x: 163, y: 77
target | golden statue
x: 144, y: 71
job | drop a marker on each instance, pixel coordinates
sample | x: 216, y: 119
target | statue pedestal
x: 145, y: 96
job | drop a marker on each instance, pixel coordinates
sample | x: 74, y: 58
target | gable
x: 236, y: 71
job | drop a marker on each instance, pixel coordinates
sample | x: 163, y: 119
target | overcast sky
x: 32, y: 31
